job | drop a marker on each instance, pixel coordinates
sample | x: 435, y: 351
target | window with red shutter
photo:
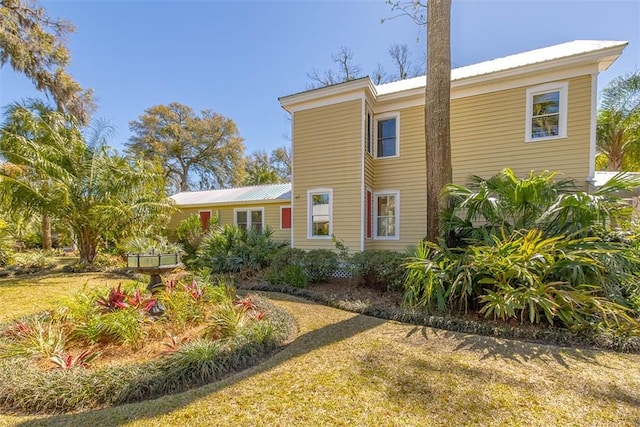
x: 285, y: 218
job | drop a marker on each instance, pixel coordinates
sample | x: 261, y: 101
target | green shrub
x: 505, y: 203
x: 190, y: 235
x: 320, y: 265
x: 230, y: 249
x: 525, y: 276
x: 379, y: 269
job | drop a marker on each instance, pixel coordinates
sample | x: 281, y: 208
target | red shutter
x: 368, y: 214
x: 205, y: 216
x: 285, y: 218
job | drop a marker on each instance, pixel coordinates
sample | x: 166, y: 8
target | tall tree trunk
x: 46, y: 232
x: 436, y: 109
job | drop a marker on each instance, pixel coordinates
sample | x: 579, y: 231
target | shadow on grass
x: 503, y: 348
x: 301, y: 345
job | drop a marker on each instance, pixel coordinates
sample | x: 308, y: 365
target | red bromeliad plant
x: 18, y: 329
x: 119, y: 299
x: 66, y: 361
x: 246, y: 303
x: 172, y: 343
x: 194, y: 289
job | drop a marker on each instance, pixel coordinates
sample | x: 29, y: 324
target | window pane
x: 387, y: 128
x: 256, y: 221
x: 386, y: 216
x: 241, y: 219
x: 545, y: 115
x: 320, y: 214
x: 387, y: 138
x: 545, y: 126
x: 546, y: 103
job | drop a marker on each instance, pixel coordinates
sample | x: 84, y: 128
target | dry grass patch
x: 26, y: 295
x: 348, y: 369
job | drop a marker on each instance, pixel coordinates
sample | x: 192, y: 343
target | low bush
x: 190, y: 235
x: 378, y: 269
x: 230, y: 249
x: 320, y: 265
x: 528, y: 277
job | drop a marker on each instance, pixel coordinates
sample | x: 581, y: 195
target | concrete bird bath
x: 154, y: 265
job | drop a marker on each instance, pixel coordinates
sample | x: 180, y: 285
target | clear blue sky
x: 237, y: 58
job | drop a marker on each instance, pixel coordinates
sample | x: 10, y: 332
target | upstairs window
x: 387, y: 136
x: 249, y: 219
x: 546, y: 112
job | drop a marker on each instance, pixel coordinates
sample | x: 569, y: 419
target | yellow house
x: 256, y: 207
x: 358, y: 148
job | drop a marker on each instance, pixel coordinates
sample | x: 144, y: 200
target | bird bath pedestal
x: 154, y: 265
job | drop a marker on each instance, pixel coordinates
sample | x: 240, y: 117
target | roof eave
x: 327, y: 91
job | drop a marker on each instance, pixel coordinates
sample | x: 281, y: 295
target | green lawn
x: 347, y: 369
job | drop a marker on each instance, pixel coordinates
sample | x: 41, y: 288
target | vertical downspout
x: 292, y: 180
x: 592, y: 130
x: 363, y: 195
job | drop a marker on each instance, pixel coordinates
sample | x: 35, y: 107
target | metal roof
x: 564, y: 50
x: 256, y: 193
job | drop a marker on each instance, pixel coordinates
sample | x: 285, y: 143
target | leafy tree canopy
x: 263, y: 168
x: 53, y: 166
x: 33, y: 44
x: 195, y: 151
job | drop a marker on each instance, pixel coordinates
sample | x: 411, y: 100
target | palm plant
x: 504, y: 203
x: 618, y: 125
x: 86, y: 186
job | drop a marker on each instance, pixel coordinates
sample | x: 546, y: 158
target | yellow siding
x: 487, y: 135
x: 327, y: 153
x: 225, y: 216
x: 406, y: 174
x: 488, y: 132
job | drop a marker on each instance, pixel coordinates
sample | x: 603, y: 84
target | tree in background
x: 33, y: 44
x: 195, y: 151
x: 41, y: 124
x: 90, y: 189
x: 263, y: 168
x: 346, y: 70
x: 618, y: 125
x: 281, y: 160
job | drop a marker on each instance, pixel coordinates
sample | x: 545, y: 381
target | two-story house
x: 358, y: 149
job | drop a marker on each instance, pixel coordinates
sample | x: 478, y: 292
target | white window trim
x: 248, y: 210
x: 376, y: 194
x: 286, y: 207
x: 366, y: 191
x: 381, y: 117
x: 563, y: 88
x: 310, y: 210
